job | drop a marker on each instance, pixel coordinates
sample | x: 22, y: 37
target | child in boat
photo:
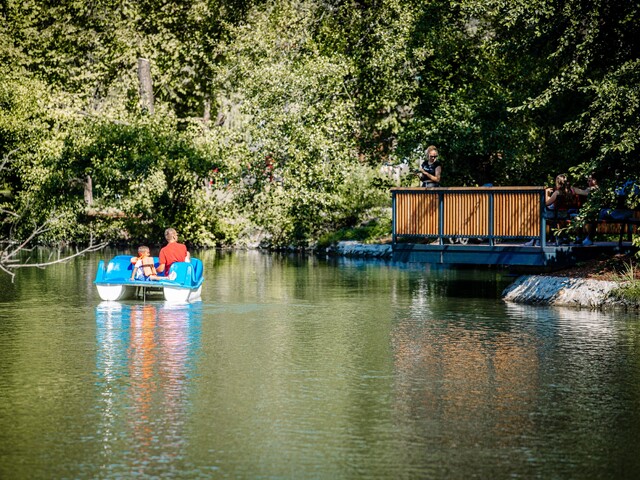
x: 144, y: 268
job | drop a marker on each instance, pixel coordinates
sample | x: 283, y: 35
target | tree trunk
x: 207, y: 110
x: 88, y: 190
x: 146, y: 85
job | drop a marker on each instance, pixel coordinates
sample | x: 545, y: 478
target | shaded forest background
x: 271, y: 119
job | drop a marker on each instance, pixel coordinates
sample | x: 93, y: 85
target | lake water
x: 299, y: 367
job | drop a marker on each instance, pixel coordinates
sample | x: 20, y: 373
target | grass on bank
x: 377, y: 230
x: 629, y: 284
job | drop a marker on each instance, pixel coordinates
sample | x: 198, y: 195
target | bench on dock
x: 611, y: 221
x: 626, y: 223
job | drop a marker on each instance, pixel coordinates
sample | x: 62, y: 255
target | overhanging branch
x: 89, y: 249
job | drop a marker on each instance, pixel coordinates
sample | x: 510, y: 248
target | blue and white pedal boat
x: 183, y: 284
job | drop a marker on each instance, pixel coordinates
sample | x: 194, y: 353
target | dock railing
x: 493, y: 214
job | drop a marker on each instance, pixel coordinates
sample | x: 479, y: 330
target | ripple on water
x: 293, y: 368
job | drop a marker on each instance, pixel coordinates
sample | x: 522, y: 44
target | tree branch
x: 37, y: 231
x: 5, y: 158
x: 8, y: 272
x: 8, y: 260
x: 89, y: 249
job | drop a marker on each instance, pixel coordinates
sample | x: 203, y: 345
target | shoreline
x: 532, y: 289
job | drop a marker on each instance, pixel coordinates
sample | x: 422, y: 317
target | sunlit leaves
x: 511, y: 91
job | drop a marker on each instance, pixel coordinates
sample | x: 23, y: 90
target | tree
x: 512, y: 92
x: 286, y: 99
x: 585, y: 92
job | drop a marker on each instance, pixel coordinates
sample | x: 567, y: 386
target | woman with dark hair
x: 562, y: 203
x: 564, y: 196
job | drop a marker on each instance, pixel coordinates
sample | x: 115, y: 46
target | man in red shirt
x: 173, y: 252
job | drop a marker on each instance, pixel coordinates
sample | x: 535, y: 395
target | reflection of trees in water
x: 459, y: 285
x: 143, y: 358
x: 145, y: 355
x: 587, y: 349
x: 526, y: 376
x: 454, y: 383
x: 112, y: 338
x: 590, y: 369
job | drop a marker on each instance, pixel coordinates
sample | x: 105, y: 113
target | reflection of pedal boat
x: 183, y: 284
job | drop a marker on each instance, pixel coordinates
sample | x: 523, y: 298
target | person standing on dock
x: 430, y: 169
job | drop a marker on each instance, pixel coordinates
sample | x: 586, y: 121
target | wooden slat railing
x: 489, y: 213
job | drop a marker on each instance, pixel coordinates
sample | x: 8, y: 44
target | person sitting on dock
x: 563, y: 196
x: 172, y: 252
x: 592, y: 183
x: 562, y: 204
x: 144, y: 268
x: 563, y: 201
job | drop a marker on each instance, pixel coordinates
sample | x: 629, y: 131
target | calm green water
x: 295, y: 367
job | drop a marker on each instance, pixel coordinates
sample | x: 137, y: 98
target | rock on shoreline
x: 357, y: 249
x: 564, y: 291
x: 527, y: 289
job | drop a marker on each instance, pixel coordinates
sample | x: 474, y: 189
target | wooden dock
x: 480, y: 226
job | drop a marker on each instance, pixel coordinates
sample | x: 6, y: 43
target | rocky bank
x: 527, y: 289
x: 564, y: 291
x: 362, y: 250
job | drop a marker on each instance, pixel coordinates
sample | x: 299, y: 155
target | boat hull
x: 182, y: 295
x: 184, y: 283
x: 115, y: 293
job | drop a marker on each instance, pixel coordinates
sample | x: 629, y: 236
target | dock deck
x: 548, y: 257
x: 494, y: 224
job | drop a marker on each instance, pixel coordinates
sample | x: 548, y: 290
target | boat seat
x: 119, y: 268
x: 187, y: 273
x: 197, y: 269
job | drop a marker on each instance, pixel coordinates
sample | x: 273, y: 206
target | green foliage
x: 147, y: 175
x: 307, y: 205
x: 511, y: 92
x: 629, y: 285
x: 150, y: 172
x: 587, y: 94
x: 375, y: 230
x: 21, y: 110
x: 29, y: 132
x: 284, y: 99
